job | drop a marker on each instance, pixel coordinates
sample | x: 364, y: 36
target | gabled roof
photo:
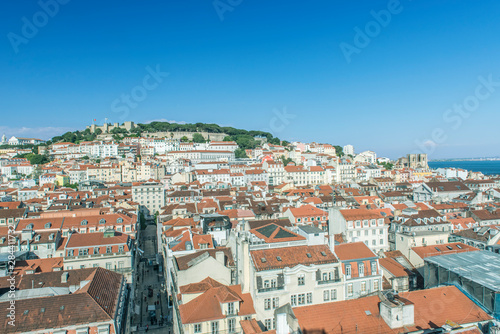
x: 207, y: 306
x: 274, y: 233
x: 184, y: 262
x: 96, y: 301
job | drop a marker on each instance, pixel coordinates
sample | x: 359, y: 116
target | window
x: 293, y: 300
x: 83, y: 251
x: 366, y: 233
x: 108, y: 249
x: 302, y: 299
x: 309, y: 297
x: 276, y: 302
x: 120, y: 248
x: 215, y: 327
x: 326, y: 295
x: 231, y: 325
x: 108, y: 265
x: 96, y: 250
x: 381, y: 241
x: 266, y: 283
x: 274, y: 283
x: 348, y: 270
x: 267, y: 304
x: 197, y: 328
x: 268, y: 323
x: 374, y: 268
x: 334, y: 294
x: 363, y: 287
x: 349, y: 289
x: 375, y: 285
x: 301, y: 280
x: 361, y: 268
x: 230, y: 308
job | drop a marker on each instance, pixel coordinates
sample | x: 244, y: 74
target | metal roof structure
x: 482, y: 267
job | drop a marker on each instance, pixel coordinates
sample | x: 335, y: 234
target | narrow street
x: 150, y: 299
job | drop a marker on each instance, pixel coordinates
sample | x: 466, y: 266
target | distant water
x: 485, y: 167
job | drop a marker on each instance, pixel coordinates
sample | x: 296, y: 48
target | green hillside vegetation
x: 244, y: 138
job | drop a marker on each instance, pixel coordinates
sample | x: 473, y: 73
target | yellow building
x: 62, y: 180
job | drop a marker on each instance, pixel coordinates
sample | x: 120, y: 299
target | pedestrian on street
x: 147, y: 328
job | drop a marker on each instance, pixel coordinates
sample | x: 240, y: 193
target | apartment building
x: 110, y: 250
x: 150, y: 195
x: 308, y: 215
x: 366, y: 225
x: 211, y: 307
x: 360, y: 267
x: 299, y: 275
x: 416, y: 228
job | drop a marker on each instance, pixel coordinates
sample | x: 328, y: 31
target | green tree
x: 339, y: 150
x: 184, y: 139
x: 240, y: 153
x: 37, y: 159
x: 285, y: 161
x: 198, y: 138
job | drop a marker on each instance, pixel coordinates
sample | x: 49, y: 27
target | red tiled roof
x: 456, y: 247
x: 352, y: 251
x: 207, y: 306
x: 433, y: 308
x: 291, y: 257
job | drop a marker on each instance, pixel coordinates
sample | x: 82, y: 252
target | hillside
x: 244, y: 138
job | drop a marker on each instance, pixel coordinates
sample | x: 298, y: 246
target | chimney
x: 220, y: 257
x: 64, y: 277
x: 396, y: 311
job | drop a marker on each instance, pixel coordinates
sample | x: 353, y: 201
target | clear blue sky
x: 262, y: 57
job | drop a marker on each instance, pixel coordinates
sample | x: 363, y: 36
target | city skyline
x: 385, y: 76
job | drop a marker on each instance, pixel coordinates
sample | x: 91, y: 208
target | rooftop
x: 482, y: 267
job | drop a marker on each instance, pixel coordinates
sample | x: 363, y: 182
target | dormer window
x: 102, y: 221
x: 361, y: 269
x: 30, y: 226
x: 48, y: 225
x: 119, y: 221
x: 84, y: 222
x: 348, y: 270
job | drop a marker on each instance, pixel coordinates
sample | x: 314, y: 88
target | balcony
x: 273, y: 288
x: 329, y: 281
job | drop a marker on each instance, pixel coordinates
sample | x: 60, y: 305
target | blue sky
x: 242, y: 63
